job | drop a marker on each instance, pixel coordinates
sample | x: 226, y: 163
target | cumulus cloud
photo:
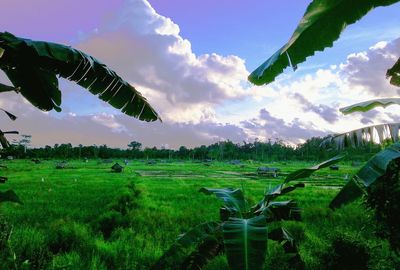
x: 329, y: 114
x: 147, y: 49
x: 202, y: 98
x: 269, y: 127
x: 368, y: 69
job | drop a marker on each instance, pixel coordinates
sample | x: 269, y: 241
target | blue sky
x: 191, y: 60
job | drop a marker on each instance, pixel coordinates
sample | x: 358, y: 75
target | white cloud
x: 367, y: 70
x: 147, y: 49
x: 204, y: 98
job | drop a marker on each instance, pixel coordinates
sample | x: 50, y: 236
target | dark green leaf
x: 9, y: 196
x: 350, y: 192
x: 10, y: 115
x: 283, y: 210
x: 204, y: 253
x: 369, y: 105
x: 367, y: 175
x: 185, y: 244
x: 6, y: 88
x: 282, y: 236
x: 394, y: 74
x: 320, y: 26
x: 3, y: 140
x: 245, y: 243
x: 303, y: 173
x: 233, y: 199
x: 32, y: 67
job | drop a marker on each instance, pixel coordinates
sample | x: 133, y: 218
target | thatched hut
x: 117, y: 168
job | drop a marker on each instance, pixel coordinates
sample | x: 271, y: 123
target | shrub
x: 383, y: 199
x: 345, y: 253
x: 125, y: 200
x: 109, y: 221
x: 65, y: 236
x: 30, y: 248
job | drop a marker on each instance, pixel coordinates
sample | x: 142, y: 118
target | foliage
x: 369, y: 105
x: 171, y: 205
x: 257, y: 151
x: 383, y: 199
x: 324, y: 19
x: 346, y: 253
x: 33, y: 66
x: 242, y: 231
x: 368, y: 175
x: 118, y: 212
x: 394, y: 74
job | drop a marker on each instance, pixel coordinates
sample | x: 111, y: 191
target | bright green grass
x: 169, y: 204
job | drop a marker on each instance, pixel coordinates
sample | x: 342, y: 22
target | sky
x: 191, y: 60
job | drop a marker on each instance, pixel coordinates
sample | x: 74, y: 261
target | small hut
x: 334, y: 167
x: 235, y: 162
x: 268, y: 171
x: 117, y: 168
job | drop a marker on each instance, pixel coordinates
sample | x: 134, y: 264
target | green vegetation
x: 33, y: 67
x: 85, y: 217
x: 225, y: 150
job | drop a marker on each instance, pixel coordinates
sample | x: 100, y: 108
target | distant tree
x: 25, y: 141
x: 134, y: 145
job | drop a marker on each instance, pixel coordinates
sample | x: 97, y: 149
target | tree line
x: 266, y: 151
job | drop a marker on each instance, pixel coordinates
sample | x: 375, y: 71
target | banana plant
x: 242, y: 231
x: 368, y: 175
x: 33, y: 66
x: 326, y: 19
x: 9, y: 195
x: 321, y: 25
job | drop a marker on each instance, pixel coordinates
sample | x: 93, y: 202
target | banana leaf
x: 3, y: 140
x: 369, y: 105
x: 6, y: 88
x: 10, y: 115
x: 394, y: 74
x: 245, y: 243
x: 376, y: 133
x: 233, y: 199
x: 185, y: 243
x: 33, y: 66
x: 282, y: 236
x: 204, y: 253
x: 282, y: 210
x: 306, y: 172
x: 9, y: 196
x: 321, y: 25
x: 366, y: 176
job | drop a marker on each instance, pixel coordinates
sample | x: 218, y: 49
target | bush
x: 65, y: 236
x: 125, y: 201
x: 30, y: 248
x: 5, y: 252
x: 345, y: 253
x: 383, y: 199
x: 109, y: 221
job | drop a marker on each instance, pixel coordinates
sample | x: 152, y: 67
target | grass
x: 58, y: 225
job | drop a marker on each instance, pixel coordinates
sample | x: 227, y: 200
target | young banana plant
x: 242, y: 231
